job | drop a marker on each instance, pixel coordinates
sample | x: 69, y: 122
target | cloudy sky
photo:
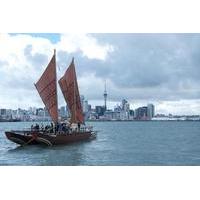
x: 163, y: 69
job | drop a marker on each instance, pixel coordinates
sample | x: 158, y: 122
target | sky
x: 162, y: 69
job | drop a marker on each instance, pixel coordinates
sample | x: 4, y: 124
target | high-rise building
x: 131, y: 112
x: 99, y: 110
x: 46, y: 112
x: 41, y: 112
x: 123, y: 115
x: 67, y: 111
x: 125, y: 110
x: 2, y: 111
x: 85, y: 106
x: 63, y: 111
x: 150, y: 111
x: 127, y: 107
x: 124, y: 102
x: 89, y: 107
x: 141, y: 113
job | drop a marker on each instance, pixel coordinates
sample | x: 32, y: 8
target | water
x: 118, y: 143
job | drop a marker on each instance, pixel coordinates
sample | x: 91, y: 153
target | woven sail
x: 46, y: 87
x: 69, y: 87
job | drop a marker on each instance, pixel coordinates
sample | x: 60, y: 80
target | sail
x: 46, y: 87
x: 69, y: 86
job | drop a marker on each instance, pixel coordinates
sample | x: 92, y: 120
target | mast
x: 54, y: 51
x: 74, y: 95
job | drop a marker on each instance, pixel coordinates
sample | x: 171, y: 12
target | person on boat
x: 60, y: 126
x: 46, y: 127
x: 79, y: 126
x: 51, y: 128
x: 37, y: 127
x: 65, y: 128
x: 56, y: 127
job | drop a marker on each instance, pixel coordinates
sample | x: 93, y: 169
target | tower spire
x: 105, y: 97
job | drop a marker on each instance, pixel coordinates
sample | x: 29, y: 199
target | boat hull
x: 34, y: 138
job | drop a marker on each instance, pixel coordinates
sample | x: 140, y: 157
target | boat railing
x: 53, y: 131
x: 75, y: 130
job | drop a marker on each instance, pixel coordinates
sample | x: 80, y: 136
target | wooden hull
x: 34, y: 138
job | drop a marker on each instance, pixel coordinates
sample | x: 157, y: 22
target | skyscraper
x: 141, y: 113
x: 99, y: 110
x: 150, y: 111
x: 63, y: 111
x: 124, y: 102
x: 82, y: 100
x: 85, y: 106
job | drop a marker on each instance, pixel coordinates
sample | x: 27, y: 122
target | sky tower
x: 105, y: 97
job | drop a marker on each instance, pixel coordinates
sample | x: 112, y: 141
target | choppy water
x: 118, y: 143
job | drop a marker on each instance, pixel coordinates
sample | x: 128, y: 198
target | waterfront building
x: 131, y: 114
x: 92, y: 115
x: 123, y: 115
x: 46, y: 113
x: 123, y: 105
x: 108, y: 115
x: 85, y: 106
x: 116, y: 115
x: 63, y: 111
x: 150, y: 111
x: 67, y: 112
x: 99, y: 110
x: 141, y: 113
x: 2, y: 112
x: 89, y: 107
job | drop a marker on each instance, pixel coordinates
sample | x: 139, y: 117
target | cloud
x: 153, y: 66
x: 140, y: 67
x: 86, y: 44
x: 24, y: 57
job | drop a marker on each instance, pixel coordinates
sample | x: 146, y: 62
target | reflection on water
x: 118, y: 143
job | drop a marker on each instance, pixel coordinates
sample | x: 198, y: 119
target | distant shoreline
x: 4, y: 121
x: 143, y: 121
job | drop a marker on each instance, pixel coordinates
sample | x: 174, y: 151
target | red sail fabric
x: 46, y: 87
x: 69, y: 86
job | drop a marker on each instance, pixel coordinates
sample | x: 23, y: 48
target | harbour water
x: 118, y: 143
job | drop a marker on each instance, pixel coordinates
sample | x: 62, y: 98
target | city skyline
x: 121, y: 112
x: 93, y: 107
x: 143, y: 68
